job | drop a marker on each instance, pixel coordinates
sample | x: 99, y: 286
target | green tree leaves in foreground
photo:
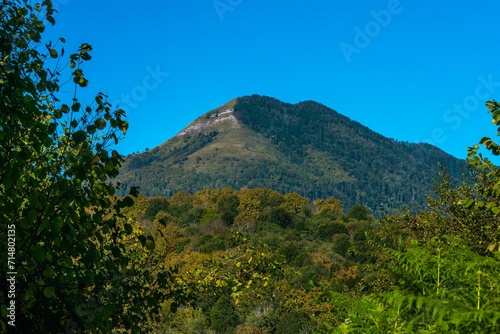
x: 75, y: 268
x: 247, y: 261
x: 448, y: 279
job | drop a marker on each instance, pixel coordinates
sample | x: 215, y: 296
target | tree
x: 154, y: 206
x: 224, y: 316
x: 330, y: 205
x: 228, y: 208
x: 68, y: 255
x: 359, y: 212
x: 278, y: 216
x: 471, y: 210
x: 447, y: 281
x: 440, y: 288
x: 488, y: 177
x: 294, y: 322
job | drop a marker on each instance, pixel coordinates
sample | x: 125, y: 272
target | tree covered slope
x: 308, y: 148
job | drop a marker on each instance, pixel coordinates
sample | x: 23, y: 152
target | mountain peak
x: 308, y: 148
x: 219, y: 119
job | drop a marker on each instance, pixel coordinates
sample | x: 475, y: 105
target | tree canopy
x: 70, y: 258
x: 82, y: 259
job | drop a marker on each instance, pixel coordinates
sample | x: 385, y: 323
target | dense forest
x: 305, y: 148
x: 81, y: 259
x: 258, y: 261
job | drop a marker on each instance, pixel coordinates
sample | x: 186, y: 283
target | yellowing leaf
x: 490, y: 104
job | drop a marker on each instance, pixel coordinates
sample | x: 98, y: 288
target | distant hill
x: 308, y: 148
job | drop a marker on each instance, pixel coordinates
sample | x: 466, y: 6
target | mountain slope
x: 257, y: 141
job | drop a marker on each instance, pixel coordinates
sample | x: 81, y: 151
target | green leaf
x: 91, y: 129
x: 53, y: 53
x: 116, y: 252
x: 82, y: 82
x: 79, y: 311
x: 173, y: 307
x: 126, y: 202
x: 105, y: 229
x: 86, y: 56
x: 85, y: 47
x: 79, y: 136
x: 49, y: 292
x: 490, y: 104
x: 150, y: 244
x: 57, y: 223
x: 100, y: 123
x: 50, y: 19
x: 128, y: 228
x: 76, y: 106
x: 142, y: 240
x: 48, y: 271
x: 134, y: 191
x: 58, y: 113
x: 39, y: 253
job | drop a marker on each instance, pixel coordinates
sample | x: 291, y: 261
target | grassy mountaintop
x: 308, y: 148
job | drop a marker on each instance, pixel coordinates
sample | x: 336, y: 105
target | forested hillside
x: 258, y: 261
x: 78, y: 258
x: 257, y: 141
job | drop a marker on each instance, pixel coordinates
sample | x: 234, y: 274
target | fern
x: 442, y: 288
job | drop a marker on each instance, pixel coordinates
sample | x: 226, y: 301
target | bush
x: 326, y: 231
x: 291, y: 249
x: 154, y: 206
x: 277, y: 215
x: 341, y: 244
x: 294, y: 322
x: 224, y: 317
x: 359, y: 212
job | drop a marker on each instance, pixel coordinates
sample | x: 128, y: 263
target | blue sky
x: 413, y: 70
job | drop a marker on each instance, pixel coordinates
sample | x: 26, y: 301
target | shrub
x: 224, y: 316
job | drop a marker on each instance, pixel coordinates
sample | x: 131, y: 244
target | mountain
x: 308, y: 148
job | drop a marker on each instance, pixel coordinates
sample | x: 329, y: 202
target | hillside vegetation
x: 258, y: 261
x: 78, y: 258
x: 257, y: 141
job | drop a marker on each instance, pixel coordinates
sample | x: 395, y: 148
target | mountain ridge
x: 308, y: 148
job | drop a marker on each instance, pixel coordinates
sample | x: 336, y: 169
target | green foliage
x: 446, y: 289
x: 79, y: 263
x: 251, y: 258
x: 209, y: 244
x: 326, y: 229
x: 448, y: 281
x: 228, y: 208
x: 154, y: 206
x: 359, y: 212
x: 469, y: 211
x: 264, y: 270
x: 341, y: 244
x: 293, y: 322
x: 278, y: 216
x: 224, y: 316
x: 189, y: 321
x: 305, y: 148
x: 291, y: 250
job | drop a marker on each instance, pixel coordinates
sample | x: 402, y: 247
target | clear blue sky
x: 413, y: 70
